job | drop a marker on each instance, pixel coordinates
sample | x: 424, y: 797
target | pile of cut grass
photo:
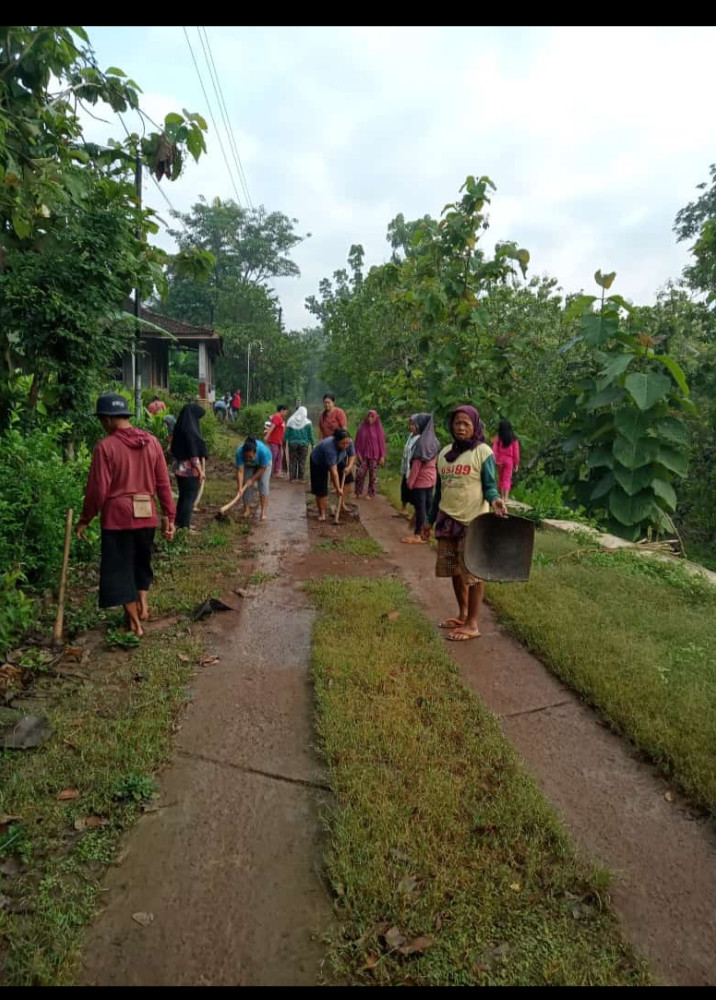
x: 436, y: 832
x: 636, y: 637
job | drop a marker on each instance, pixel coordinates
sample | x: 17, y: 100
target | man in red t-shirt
x: 274, y: 437
x: 156, y: 406
x: 333, y: 417
x: 128, y: 469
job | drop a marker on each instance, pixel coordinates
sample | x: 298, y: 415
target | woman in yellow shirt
x: 465, y: 489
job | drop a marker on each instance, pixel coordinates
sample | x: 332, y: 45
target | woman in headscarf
x: 189, y: 454
x: 406, y: 496
x: 299, y: 438
x: 466, y: 488
x: 421, y: 475
x: 370, y: 450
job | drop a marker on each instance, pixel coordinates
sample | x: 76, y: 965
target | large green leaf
x: 631, y: 423
x: 673, y: 430
x: 577, y: 307
x: 601, y: 457
x: 630, y: 509
x: 676, y: 370
x: 635, y: 454
x: 615, y: 366
x: 675, y: 460
x: 646, y: 388
x: 607, y: 397
x: 604, y: 485
x: 666, y: 491
x: 597, y: 328
x: 634, y: 480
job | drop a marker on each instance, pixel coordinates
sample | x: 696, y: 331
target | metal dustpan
x: 499, y: 549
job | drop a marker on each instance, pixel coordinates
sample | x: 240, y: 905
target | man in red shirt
x: 333, y: 417
x: 275, y: 435
x: 128, y: 469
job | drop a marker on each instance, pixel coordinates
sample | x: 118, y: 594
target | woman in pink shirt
x: 421, y: 476
x: 506, y: 449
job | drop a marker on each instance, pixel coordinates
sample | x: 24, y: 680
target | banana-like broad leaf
x: 674, y: 431
x: 605, y: 280
x: 632, y: 424
x: 615, y: 366
x: 633, y: 481
x: 666, y: 491
x: 646, y: 388
x: 601, y: 457
x: 635, y: 454
x: 631, y: 509
x: 604, y: 485
x: 598, y: 328
x: 674, y: 460
x: 607, y: 397
x: 676, y: 370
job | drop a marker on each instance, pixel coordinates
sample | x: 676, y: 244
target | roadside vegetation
x: 65, y: 804
x: 446, y: 863
x: 636, y: 637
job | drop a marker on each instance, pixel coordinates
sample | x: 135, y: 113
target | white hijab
x: 299, y: 419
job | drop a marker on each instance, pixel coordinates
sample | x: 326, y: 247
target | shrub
x: 252, y: 419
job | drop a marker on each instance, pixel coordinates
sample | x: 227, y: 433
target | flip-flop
x: 459, y: 635
x: 412, y: 540
x: 451, y: 623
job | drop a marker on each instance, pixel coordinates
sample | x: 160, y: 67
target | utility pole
x: 248, y: 374
x: 137, y: 350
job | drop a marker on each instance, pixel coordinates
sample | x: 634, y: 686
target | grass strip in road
x: 447, y: 864
x: 636, y: 637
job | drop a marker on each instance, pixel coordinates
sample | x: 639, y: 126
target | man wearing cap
x: 128, y: 469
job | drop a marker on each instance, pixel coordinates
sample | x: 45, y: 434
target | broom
x: 60, y: 619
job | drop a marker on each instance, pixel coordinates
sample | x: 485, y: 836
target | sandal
x: 452, y: 623
x: 460, y: 635
x: 412, y: 540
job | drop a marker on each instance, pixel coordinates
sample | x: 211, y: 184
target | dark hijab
x: 427, y: 446
x: 187, y: 441
x: 478, y: 437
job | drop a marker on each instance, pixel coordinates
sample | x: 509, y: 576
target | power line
x: 211, y: 115
x: 219, y: 91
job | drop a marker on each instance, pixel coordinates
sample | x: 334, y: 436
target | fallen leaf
x: 669, y: 796
x: 370, y: 962
x: 144, y: 919
x: 67, y: 794
x: 438, y: 922
x: 408, y: 884
x: 393, y: 938
x: 418, y: 945
x: 6, y: 821
x: 11, y: 867
x: 182, y: 657
x: 399, y: 855
x: 29, y: 732
x: 90, y: 822
x: 492, y: 958
x: 393, y: 616
x: 515, y: 887
x: 209, y: 661
x: 240, y: 592
x: 581, y: 911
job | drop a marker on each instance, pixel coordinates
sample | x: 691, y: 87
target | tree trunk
x: 37, y: 380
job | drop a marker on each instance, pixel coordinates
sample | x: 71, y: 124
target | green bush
x: 252, y: 419
x: 183, y: 387
x: 545, y: 497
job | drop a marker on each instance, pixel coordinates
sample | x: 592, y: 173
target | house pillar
x: 203, y: 371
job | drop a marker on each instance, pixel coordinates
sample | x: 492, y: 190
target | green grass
x: 636, y: 637
x: 109, y: 737
x: 434, y: 828
x: 367, y: 547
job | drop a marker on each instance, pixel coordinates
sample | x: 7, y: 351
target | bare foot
x: 263, y: 517
x: 412, y: 540
x: 322, y: 518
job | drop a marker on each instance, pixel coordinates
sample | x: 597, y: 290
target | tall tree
x: 697, y: 221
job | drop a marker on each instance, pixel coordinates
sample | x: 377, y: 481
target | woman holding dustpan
x: 465, y: 489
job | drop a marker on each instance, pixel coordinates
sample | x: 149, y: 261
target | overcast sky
x: 595, y: 137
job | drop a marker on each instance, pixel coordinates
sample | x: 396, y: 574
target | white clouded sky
x: 595, y: 137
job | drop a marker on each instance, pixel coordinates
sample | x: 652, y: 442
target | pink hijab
x: 370, y: 439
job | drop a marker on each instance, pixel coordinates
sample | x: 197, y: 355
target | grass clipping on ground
x: 635, y: 636
x: 448, y: 866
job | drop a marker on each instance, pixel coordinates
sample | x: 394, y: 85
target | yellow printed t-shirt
x: 461, y: 484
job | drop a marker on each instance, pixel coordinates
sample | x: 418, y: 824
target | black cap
x: 112, y: 404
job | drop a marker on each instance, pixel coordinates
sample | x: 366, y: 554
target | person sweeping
x: 465, y: 489
x: 333, y: 458
x: 128, y: 468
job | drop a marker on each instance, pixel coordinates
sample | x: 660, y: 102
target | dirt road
x: 614, y: 805
x: 229, y: 866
